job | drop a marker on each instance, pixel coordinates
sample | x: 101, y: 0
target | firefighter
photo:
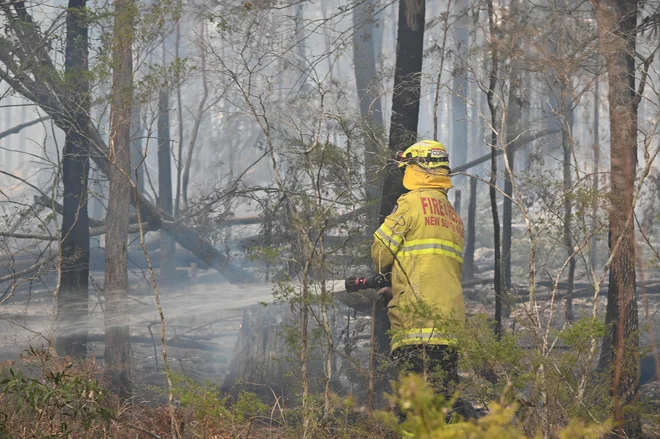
x: 422, y: 242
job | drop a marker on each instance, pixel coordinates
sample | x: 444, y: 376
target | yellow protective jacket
x: 422, y: 239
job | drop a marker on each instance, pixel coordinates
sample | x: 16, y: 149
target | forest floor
x: 203, y: 317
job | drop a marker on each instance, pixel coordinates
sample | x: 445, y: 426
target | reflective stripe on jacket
x: 423, y: 242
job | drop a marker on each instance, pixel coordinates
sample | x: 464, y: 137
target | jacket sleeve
x: 390, y: 235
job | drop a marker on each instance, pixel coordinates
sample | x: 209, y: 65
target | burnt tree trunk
x: 73, y: 298
x: 617, y: 22
x: 405, y: 98
x: 117, y: 343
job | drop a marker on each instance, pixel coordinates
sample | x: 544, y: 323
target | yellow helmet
x: 427, y: 154
x: 427, y: 166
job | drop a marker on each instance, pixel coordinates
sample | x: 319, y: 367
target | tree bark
x: 73, y: 298
x: 167, y: 245
x: 117, y: 344
x: 368, y: 90
x: 617, y: 21
x: 468, y: 256
x: 405, y: 98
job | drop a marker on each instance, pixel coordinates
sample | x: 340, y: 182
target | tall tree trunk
x: 406, y: 94
x: 368, y: 90
x: 493, y: 171
x: 73, y: 299
x: 459, y: 131
x: 167, y: 244
x: 468, y: 255
x: 617, y: 21
x: 117, y: 345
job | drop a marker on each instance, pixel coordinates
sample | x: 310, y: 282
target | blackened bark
x: 73, y: 298
x: 468, y: 254
x: 117, y: 343
x: 405, y: 98
x: 617, y: 21
x: 167, y: 245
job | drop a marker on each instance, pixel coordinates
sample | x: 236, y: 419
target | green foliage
x: 211, y: 410
x: 203, y: 399
x: 61, y: 402
x: 429, y: 415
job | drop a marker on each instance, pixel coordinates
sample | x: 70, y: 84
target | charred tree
x: 73, y: 298
x: 617, y: 26
x: 405, y: 98
x: 117, y: 343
